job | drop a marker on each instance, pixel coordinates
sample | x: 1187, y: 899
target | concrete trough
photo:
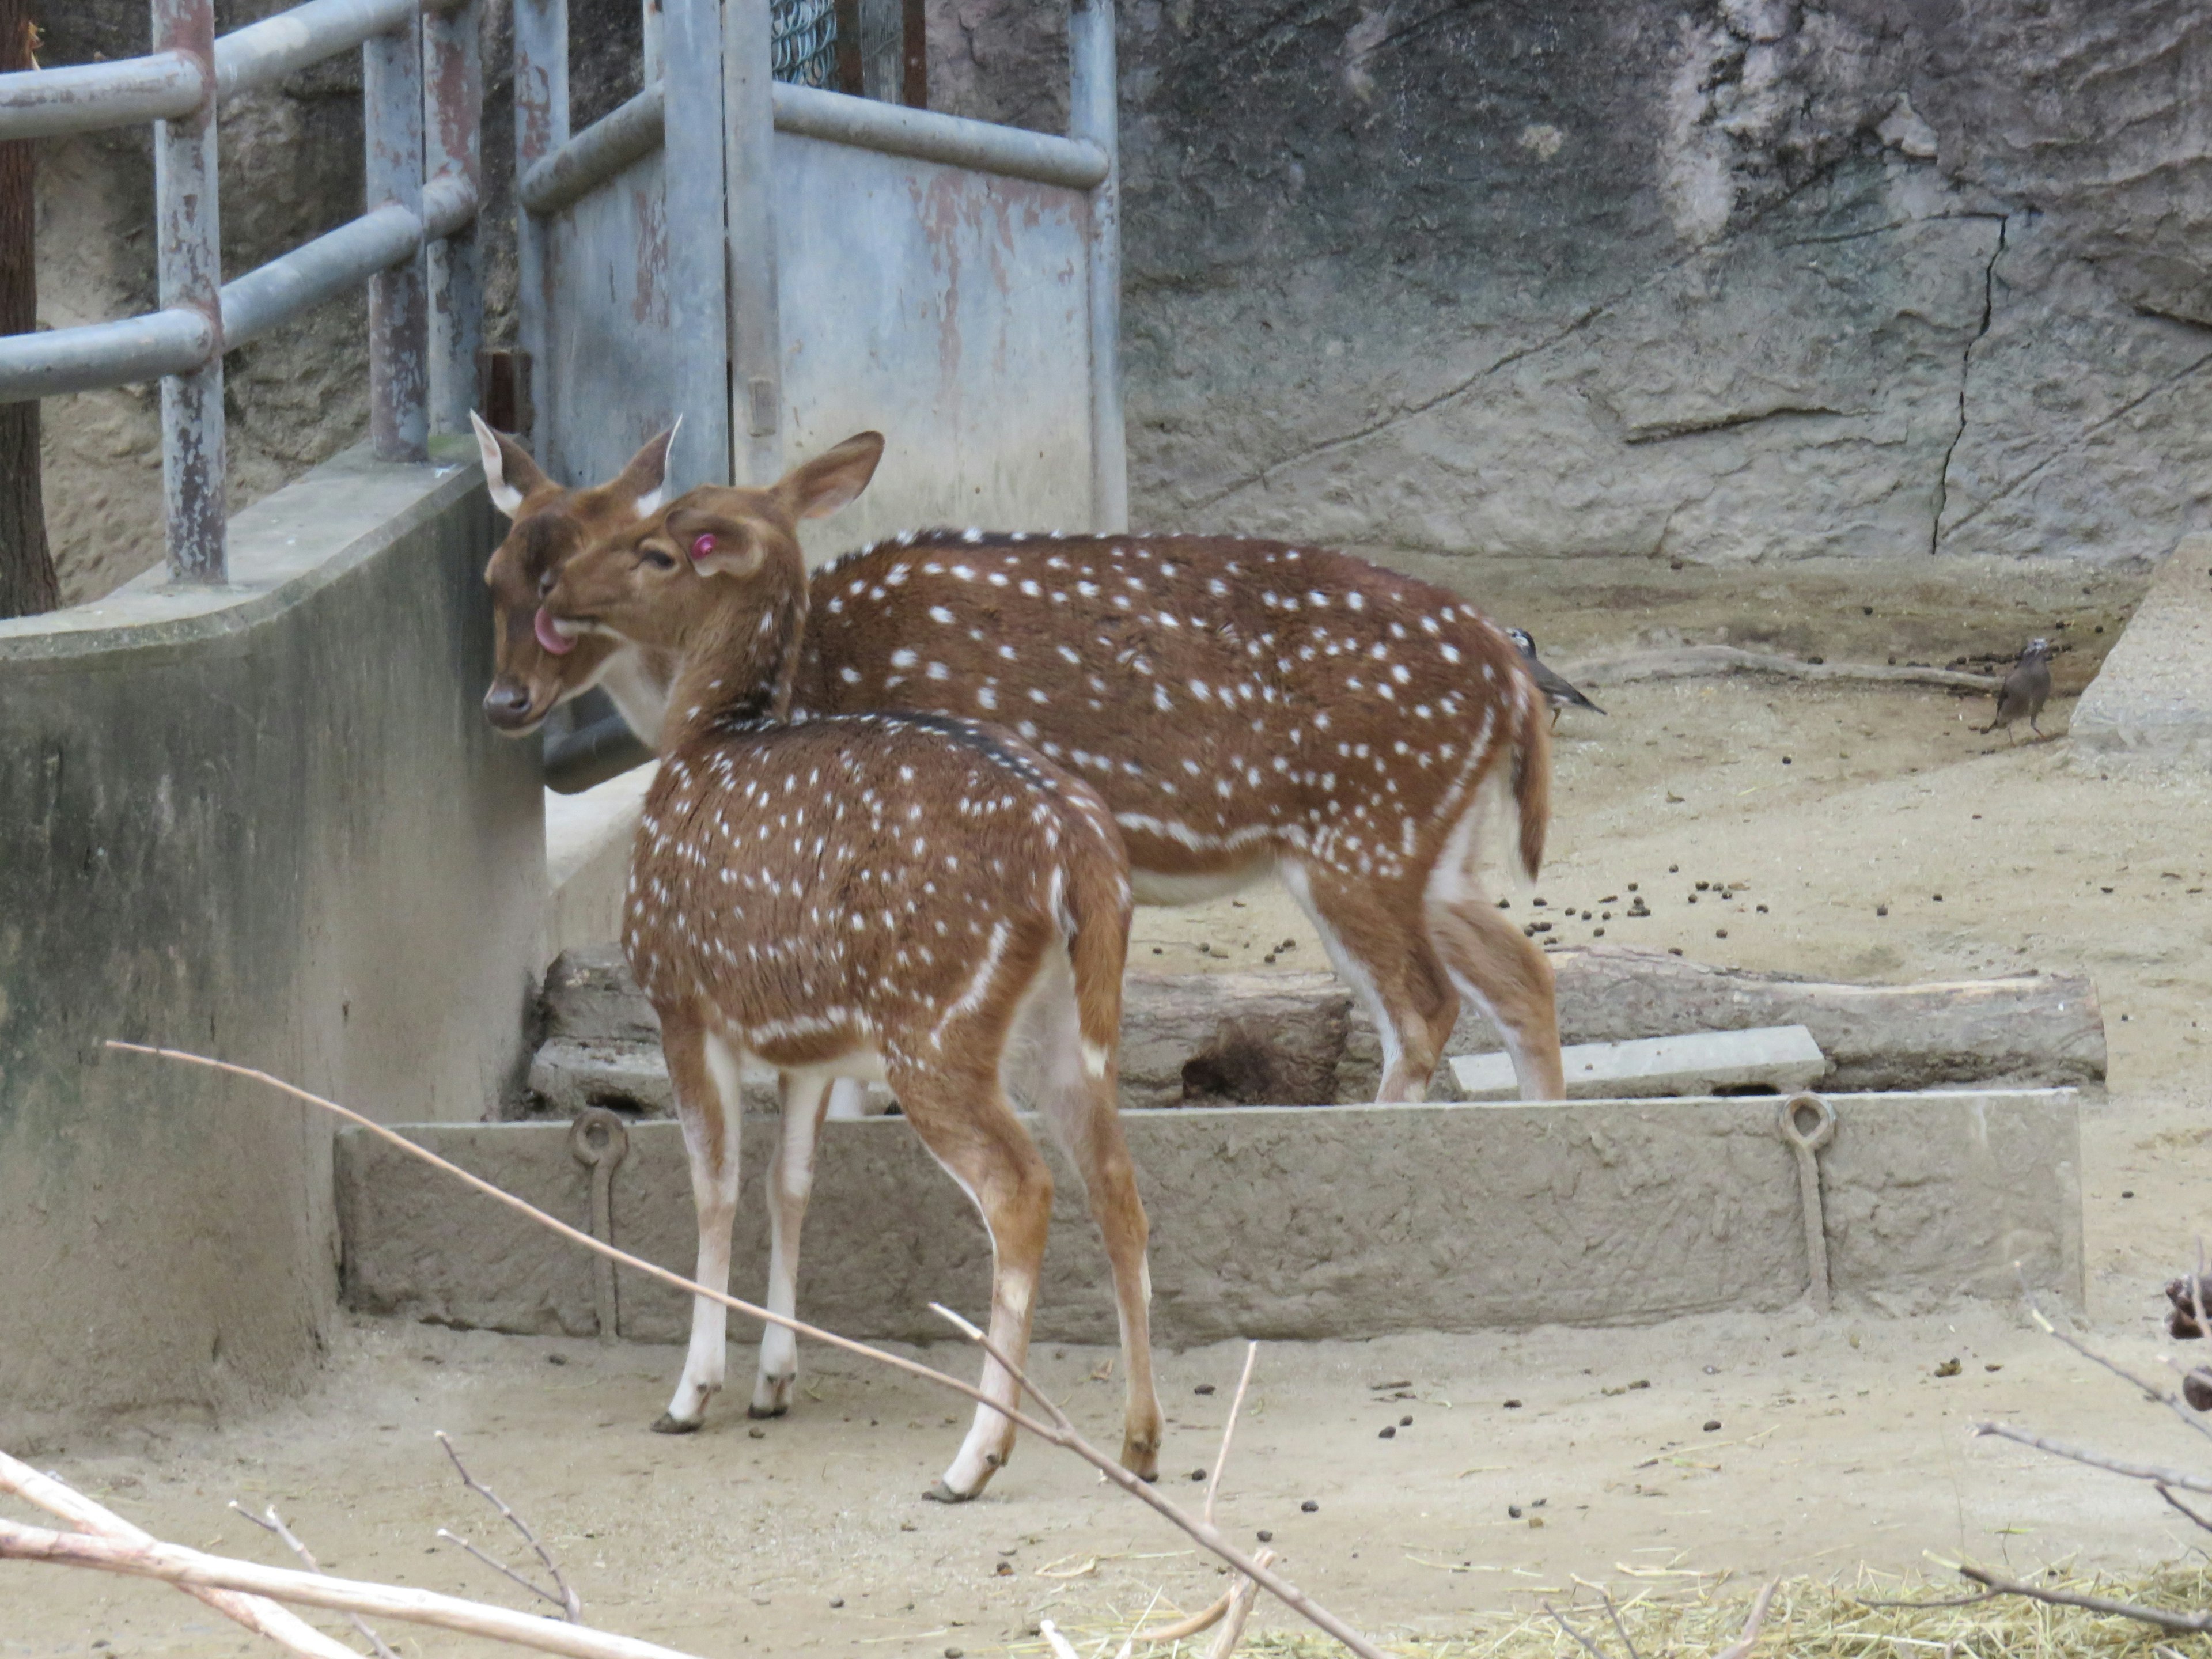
x: 1766, y: 1059
x: 1292, y: 1222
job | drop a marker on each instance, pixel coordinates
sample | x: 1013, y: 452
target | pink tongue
x: 550, y: 637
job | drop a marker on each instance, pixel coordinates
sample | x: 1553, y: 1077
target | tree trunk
x: 28, y: 583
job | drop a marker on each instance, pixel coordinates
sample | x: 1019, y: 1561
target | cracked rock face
x: 1754, y: 280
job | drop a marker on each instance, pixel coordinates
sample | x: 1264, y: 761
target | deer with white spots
x: 1242, y: 706
x: 896, y: 896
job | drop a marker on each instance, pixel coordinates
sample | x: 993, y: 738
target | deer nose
x: 506, y: 705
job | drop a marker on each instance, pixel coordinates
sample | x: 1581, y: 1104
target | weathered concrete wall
x: 1730, y: 280
x: 1286, y: 1222
x: 267, y: 822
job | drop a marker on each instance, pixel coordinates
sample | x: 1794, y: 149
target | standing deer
x: 892, y: 896
x: 1242, y: 707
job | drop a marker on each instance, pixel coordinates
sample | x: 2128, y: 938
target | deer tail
x: 1095, y: 908
x: 1532, y: 773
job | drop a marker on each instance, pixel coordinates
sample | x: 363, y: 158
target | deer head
x: 534, y: 670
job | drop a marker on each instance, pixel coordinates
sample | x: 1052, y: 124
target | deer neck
x: 740, y: 660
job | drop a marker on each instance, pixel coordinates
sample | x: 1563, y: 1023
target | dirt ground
x: 1669, y: 1458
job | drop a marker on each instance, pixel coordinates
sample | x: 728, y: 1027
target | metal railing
x: 414, y: 245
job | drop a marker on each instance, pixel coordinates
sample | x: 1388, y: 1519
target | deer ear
x: 645, y: 478
x: 815, y: 489
x: 509, y: 472
x: 717, y: 546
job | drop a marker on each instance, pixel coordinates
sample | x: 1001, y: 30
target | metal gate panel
x: 951, y: 308
x: 609, y: 383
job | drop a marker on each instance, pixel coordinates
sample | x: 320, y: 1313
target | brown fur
x: 892, y: 889
x: 1124, y: 716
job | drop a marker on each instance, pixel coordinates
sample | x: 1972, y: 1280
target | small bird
x: 2024, y: 691
x: 1557, y: 692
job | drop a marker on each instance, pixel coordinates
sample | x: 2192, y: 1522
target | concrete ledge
x: 1298, y: 1222
x: 2152, y: 700
x: 1772, y: 1059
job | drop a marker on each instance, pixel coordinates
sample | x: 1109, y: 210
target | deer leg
x: 704, y: 1070
x: 805, y: 1097
x: 971, y: 1129
x: 1505, y: 973
x: 1084, y: 1115
x: 1375, y: 943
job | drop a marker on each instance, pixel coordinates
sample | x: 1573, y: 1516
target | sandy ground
x: 1837, y: 1445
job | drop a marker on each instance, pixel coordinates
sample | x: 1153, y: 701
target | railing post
x: 755, y: 335
x: 697, y: 243
x: 453, y: 124
x: 1092, y: 113
x: 190, y: 258
x: 398, y: 344
x: 541, y: 126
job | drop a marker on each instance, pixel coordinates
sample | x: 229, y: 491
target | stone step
x: 1781, y: 1058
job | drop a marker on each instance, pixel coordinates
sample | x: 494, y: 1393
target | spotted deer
x: 549, y: 523
x: 1242, y: 706
x: 899, y: 896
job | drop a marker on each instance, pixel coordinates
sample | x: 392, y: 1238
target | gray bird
x: 1557, y: 692
x: 2025, y: 690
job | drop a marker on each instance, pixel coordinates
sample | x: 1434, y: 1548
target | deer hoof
x: 778, y: 1409
x: 667, y: 1423
x: 941, y: 1493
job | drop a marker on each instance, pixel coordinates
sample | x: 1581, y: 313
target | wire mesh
x: 804, y: 33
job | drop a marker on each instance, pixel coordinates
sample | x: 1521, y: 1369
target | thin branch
x: 176, y: 1564
x: 975, y: 1334
x: 2133, y: 1471
x: 1058, y: 1434
x: 567, y: 1600
x: 1947, y: 1602
x: 2159, y: 1616
x: 280, y: 1626
x: 269, y: 1520
x: 1619, y: 1629
x: 1229, y: 1431
x: 2166, y: 1493
x: 1061, y: 1646
x: 1741, y: 1647
x: 1240, y: 1609
x: 506, y: 1571
x: 2150, y: 1391
x: 1589, y: 1646
x: 1206, y: 1619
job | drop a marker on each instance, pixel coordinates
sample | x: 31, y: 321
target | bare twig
x: 1058, y: 1432
x: 176, y: 1564
x: 280, y: 1626
x: 2149, y: 1472
x: 1947, y: 1602
x: 1741, y: 1647
x: 1588, y: 1646
x: 2150, y: 1391
x: 1240, y: 1609
x: 1229, y: 1431
x: 2159, y: 1616
x: 1205, y: 1619
x: 1061, y: 1646
x: 2166, y: 1493
x: 566, y: 1599
x: 269, y: 1520
x: 1620, y: 1630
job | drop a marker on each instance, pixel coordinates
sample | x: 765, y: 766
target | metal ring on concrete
x: 600, y: 1140
x: 1806, y: 1144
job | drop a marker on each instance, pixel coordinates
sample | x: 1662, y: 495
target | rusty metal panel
x: 950, y: 310
x: 607, y: 376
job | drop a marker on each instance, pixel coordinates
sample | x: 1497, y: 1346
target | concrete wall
x: 1724, y: 281
x: 267, y: 822
x: 1288, y: 1222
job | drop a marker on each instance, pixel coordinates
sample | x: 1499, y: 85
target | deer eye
x: 656, y: 558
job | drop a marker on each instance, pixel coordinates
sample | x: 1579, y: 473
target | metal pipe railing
x: 422, y: 94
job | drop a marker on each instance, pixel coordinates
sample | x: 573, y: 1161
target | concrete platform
x: 1286, y: 1222
x: 1777, y: 1058
x: 2152, y: 701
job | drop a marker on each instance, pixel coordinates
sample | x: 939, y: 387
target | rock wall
x: 1724, y: 282
x: 1739, y: 280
